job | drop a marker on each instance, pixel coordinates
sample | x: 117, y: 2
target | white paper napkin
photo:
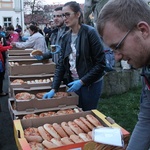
x: 108, y: 135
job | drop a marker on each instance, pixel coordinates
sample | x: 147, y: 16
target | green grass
x: 123, y: 108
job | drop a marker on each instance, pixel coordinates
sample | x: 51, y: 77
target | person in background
x: 12, y: 35
x: 125, y: 27
x: 19, y: 30
x: 2, y: 32
x: 82, y: 57
x: 35, y: 41
x: 25, y: 36
x: 56, y: 35
x: 35, y: 24
x: 2, y: 64
x: 52, y: 24
x: 47, y: 31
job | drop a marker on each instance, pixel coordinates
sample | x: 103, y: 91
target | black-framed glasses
x: 67, y: 14
x: 118, y: 46
x: 58, y: 16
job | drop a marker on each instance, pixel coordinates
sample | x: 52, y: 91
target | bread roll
x: 90, y: 134
x: 66, y: 141
x: 85, y: 137
x: 84, y: 120
x: 57, y: 142
x: 75, y: 127
x: 16, y: 81
x: 51, y: 113
x: 36, y: 146
x: 44, y: 134
x: 23, y: 96
x: 36, y: 52
x: 48, y: 144
x: 76, y: 110
x: 93, y: 120
x: 40, y: 95
x: 60, y: 94
x: 59, y: 130
x: 65, y: 111
x: 32, y: 135
x: 76, y: 138
x: 82, y: 125
x: 49, y: 128
x: 66, y: 128
x: 30, y: 116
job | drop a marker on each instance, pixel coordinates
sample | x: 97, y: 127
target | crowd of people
x: 80, y: 57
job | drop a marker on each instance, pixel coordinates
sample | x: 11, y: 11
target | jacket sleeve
x: 60, y: 68
x: 5, y: 48
x: 29, y: 43
x: 96, y: 55
x: 47, y: 55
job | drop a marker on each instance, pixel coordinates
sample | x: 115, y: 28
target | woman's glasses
x: 58, y: 16
x: 67, y: 14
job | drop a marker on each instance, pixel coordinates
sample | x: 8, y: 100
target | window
x: 7, y: 21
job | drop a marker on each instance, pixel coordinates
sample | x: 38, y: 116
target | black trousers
x: 1, y: 81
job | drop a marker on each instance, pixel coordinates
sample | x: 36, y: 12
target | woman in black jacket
x: 82, y: 57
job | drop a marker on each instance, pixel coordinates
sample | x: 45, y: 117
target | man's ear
x: 144, y: 28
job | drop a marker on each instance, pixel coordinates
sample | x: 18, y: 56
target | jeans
x: 140, y: 139
x: 89, y: 96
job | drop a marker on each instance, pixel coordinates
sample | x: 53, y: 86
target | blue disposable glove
x: 75, y: 85
x: 50, y: 94
x: 58, y: 48
x: 38, y: 57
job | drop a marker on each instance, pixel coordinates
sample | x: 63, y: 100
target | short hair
x: 10, y: 28
x: 125, y: 14
x: 33, y: 23
x: 33, y: 28
x: 58, y: 8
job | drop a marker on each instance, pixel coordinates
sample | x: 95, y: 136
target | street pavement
x: 7, y: 141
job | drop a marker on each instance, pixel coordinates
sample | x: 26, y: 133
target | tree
x: 36, y: 11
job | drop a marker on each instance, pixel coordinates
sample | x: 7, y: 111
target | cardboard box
x: 31, y: 78
x: 20, y: 57
x: 47, y: 68
x: 19, y: 52
x: 23, y: 62
x: 19, y: 114
x: 20, y: 125
x: 35, y: 103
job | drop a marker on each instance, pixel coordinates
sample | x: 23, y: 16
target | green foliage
x: 122, y: 108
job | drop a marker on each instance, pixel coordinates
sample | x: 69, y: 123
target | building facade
x: 11, y: 13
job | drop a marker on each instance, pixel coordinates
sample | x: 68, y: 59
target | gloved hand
x: 50, y: 94
x: 75, y: 85
x: 58, y: 48
x: 38, y: 57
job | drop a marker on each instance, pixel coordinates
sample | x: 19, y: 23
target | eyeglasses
x: 58, y: 16
x: 67, y: 14
x: 118, y: 46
